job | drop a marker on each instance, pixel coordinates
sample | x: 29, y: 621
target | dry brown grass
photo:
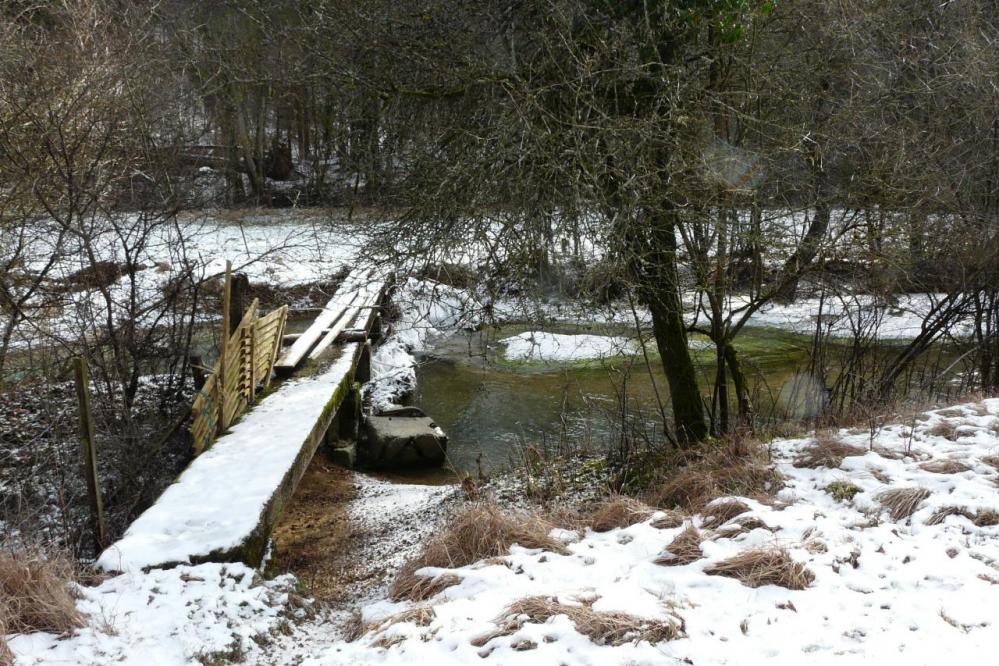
x: 986, y: 518
x: 619, y: 511
x: 733, y: 467
x: 476, y: 533
x: 951, y: 412
x: 421, y: 616
x: 669, y: 520
x: 683, y: 549
x: 991, y: 461
x: 945, y: 429
x: 35, y: 592
x: 826, y: 450
x: 719, y: 513
x: 943, y: 512
x: 902, y: 502
x: 601, y: 627
x: 764, y: 566
x: 945, y: 466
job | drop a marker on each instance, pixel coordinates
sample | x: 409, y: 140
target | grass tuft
x: 991, y: 461
x: 669, y: 520
x: 35, y: 593
x: 619, y: 511
x: 764, y: 566
x: 731, y: 467
x: 826, y: 450
x: 683, y: 549
x: 421, y: 616
x: 943, y: 512
x: 901, y: 503
x: 476, y: 533
x: 944, y: 466
x: 945, y: 429
x: 986, y: 518
x: 601, y: 627
x: 719, y: 513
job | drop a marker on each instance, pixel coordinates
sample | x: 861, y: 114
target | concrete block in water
x: 402, y: 441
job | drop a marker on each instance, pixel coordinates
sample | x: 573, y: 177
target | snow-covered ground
x: 281, y: 249
x: 185, y: 615
x: 891, y: 590
x: 921, y: 589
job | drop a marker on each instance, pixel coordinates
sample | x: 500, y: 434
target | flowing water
x: 491, y: 408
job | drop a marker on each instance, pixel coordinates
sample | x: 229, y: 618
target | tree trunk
x: 655, y: 266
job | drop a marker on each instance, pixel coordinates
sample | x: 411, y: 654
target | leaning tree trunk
x: 654, y: 261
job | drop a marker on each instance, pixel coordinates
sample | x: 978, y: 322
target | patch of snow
x: 427, y: 311
x: 558, y: 347
x: 167, y: 617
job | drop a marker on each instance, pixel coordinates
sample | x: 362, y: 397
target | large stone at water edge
x: 402, y: 441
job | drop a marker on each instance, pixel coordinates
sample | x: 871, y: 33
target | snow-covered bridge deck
x: 225, y: 504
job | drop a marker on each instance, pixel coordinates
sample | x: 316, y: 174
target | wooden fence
x: 245, y: 361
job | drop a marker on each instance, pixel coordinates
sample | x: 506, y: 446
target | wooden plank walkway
x: 356, y: 292
x: 225, y: 504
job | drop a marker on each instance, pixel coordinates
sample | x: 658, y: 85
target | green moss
x: 842, y: 491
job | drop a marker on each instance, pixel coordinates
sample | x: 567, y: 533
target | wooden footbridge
x: 251, y: 451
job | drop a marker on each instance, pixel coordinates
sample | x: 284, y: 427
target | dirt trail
x: 345, y: 533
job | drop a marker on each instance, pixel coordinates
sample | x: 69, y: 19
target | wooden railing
x: 245, y: 362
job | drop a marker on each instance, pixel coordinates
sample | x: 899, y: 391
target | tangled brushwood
x: 476, y: 533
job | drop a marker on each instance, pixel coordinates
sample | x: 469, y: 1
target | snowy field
x: 920, y: 588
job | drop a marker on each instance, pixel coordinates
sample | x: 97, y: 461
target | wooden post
x: 88, y: 444
x: 239, y: 289
x: 252, y: 392
x: 277, y: 345
x: 220, y: 380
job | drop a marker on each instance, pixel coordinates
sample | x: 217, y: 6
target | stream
x: 491, y: 408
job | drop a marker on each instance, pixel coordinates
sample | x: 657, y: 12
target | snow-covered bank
x: 911, y: 589
x: 918, y: 588
x: 557, y: 347
x: 186, y: 615
x: 427, y: 311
